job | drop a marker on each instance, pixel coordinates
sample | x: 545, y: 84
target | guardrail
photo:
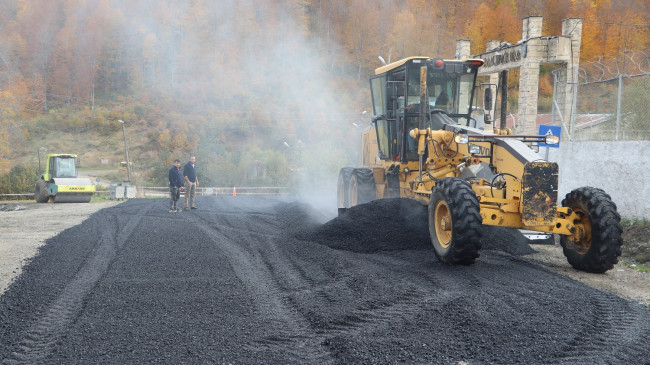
x: 149, y: 191
x: 163, y: 191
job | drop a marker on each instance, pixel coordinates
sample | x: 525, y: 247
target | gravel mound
x: 393, y: 225
x: 381, y: 225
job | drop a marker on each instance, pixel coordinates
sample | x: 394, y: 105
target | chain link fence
x: 613, y: 99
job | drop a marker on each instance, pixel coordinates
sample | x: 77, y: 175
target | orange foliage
x: 214, y: 57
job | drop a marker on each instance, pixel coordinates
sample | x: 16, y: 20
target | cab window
x: 65, y: 167
x: 378, y: 95
x: 378, y: 90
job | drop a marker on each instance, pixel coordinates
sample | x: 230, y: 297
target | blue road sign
x: 550, y: 130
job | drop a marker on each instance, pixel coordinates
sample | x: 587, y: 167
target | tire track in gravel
x: 612, y: 323
x: 47, y: 330
x: 289, y: 331
x: 419, y: 289
x: 613, y: 328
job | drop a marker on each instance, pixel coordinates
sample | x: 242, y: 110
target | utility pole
x: 41, y: 151
x: 126, y: 152
x: 504, y: 101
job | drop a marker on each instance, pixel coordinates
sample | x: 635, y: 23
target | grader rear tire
x: 40, y: 192
x: 596, y: 244
x: 455, y: 223
x: 343, y: 189
x: 362, y: 187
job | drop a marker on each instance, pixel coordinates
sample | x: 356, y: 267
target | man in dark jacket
x: 191, y: 182
x: 175, y: 185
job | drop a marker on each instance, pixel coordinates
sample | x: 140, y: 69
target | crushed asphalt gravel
x: 251, y: 280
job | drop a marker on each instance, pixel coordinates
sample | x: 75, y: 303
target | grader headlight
x: 474, y: 149
x: 551, y: 139
x: 462, y: 139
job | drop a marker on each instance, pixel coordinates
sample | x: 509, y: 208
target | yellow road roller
x: 60, y: 184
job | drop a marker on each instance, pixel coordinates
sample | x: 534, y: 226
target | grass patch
x: 627, y: 223
x: 98, y: 198
x: 638, y: 267
x: 6, y: 207
x: 636, y: 241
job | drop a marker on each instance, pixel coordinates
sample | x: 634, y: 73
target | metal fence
x: 613, y: 99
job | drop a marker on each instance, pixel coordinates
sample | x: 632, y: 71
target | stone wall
x: 616, y: 167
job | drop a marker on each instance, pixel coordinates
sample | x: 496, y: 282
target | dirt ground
x: 26, y: 225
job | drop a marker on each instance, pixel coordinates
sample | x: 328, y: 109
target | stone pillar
x: 567, y: 78
x: 532, y: 27
x: 529, y: 76
x: 494, y: 79
x: 462, y: 49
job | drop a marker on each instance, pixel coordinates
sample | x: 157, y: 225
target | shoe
x: 186, y: 209
x: 171, y: 210
x: 177, y: 210
x: 195, y: 208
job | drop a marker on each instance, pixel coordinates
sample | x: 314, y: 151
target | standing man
x: 175, y: 185
x: 191, y: 182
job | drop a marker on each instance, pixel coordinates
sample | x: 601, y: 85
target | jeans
x: 174, y: 195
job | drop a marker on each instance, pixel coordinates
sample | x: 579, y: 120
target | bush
x: 21, y: 179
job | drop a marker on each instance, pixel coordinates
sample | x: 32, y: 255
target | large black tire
x: 455, y: 223
x: 41, y: 194
x: 596, y: 244
x: 343, y: 189
x: 362, y: 187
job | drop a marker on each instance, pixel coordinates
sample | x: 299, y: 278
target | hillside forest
x: 261, y: 91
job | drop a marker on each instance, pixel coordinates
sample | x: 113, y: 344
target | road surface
x: 250, y: 280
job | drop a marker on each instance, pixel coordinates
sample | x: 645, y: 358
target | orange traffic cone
x: 234, y: 191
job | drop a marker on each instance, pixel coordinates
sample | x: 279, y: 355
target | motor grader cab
x: 424, y: 144
x: 60, y: 184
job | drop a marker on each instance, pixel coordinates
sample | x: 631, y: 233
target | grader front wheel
x: 596, y: 243
x: 455, y: 223
x: 442, y: 223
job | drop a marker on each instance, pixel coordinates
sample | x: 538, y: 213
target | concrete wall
x: 619, y: 168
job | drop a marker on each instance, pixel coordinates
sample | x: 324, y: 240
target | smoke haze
x: 262, y: 86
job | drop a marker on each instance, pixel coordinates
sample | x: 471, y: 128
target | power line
x: 625, y: 24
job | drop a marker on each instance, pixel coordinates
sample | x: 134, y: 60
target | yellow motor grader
x: 425, y: 144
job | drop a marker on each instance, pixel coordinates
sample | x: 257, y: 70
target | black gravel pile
x: 381, y: 225
x: 399, y: 224
x: 249, y: 280
x: 506, y: 240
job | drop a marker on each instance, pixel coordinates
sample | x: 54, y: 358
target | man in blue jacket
x: 175, y: 185
x: 191, y: 183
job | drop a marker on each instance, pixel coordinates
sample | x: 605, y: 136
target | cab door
x: 380, y: 118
